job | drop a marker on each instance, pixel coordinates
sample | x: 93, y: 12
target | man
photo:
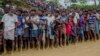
x: 91, y: 26
x: 50, y: 22
x: 81, y: 27
x: 42, y: 26
x: 33, y: 19
x: 9, y: 21
x: 75, y: 21
x: 75, y: 15
x: 97, y: 23
x: 86, y: 29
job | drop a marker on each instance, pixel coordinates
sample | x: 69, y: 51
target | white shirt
x: 76, y: 17
x: 9, y: 22
x: 97, y: 16
x: 50, y: 20
x: 34, y: 18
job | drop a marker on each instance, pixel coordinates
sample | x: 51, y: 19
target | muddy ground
x: 89, y: 48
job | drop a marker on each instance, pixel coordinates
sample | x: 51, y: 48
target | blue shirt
x: 20, y: 19
x: 81, y: 21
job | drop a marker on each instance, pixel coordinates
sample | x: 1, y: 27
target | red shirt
x: 69, y: 27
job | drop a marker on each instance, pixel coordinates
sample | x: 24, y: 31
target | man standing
x: 75, y: 21
x: 97, y: 23
x: 33, y: 24
x: 50, y: 22
x: 9, y: 21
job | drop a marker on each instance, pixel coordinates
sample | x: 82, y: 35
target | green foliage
x: 83, y: 2
x: 73, y: 1
x: 56, y: 2
x: 2, y: 3
x: 85, y: 6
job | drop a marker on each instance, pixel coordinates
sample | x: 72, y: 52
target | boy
x: 86, y: 29
x: 64, y: 20
x: 81, y: 26
x: 92, y: 24
x: 26, y: 34
x: 42, y: 25
x: 50, y: 20
x: 33, y: 21
x: 19, y: 29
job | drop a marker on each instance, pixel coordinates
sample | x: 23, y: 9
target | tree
x: 99, y: 2
x: 83, y: 2
x: 4, y: 2
x: 73, y: 1
x: 54, y: 1
x: 95, y: 2
x: 1, y: 3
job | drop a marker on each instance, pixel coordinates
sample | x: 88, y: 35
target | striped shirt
x: 92, y: 19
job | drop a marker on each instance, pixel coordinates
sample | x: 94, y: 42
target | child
x: 69, y: 29
x: 81, y: 26
x: 63, y: 19
x: 25, y: 34
x: 63, y: 33
x: 19, y: 29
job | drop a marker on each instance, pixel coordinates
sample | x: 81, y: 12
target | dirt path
x: 80, y: 49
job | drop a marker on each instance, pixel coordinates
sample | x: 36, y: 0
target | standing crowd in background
x: 20, y: 29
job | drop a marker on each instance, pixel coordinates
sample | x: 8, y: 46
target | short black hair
x: 33, y: 10
x: 21, y: 11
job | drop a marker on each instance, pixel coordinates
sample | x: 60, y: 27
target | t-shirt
x: 50, y: 20
x: 92, y: 19
x: 64, y: 18
x: 76, y: 17
x: 25, y: 24
x: 97, y: 16
x: 81, y: 21
x: 33, y: 19
x: 43, y: 20
x: 69, y: 27
x: 9, y: 21
x: 21, y: 21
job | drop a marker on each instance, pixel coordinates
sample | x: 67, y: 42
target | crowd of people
x: 46, y: 28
